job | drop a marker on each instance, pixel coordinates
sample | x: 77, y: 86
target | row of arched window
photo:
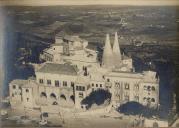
x: 53, y: 96
x: 149, y: 88
x: 126, y: 85
x: 149, y: 99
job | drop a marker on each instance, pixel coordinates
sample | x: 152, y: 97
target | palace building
x: 71, y: 71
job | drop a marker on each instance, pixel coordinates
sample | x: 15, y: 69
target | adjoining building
x: 72, y: 71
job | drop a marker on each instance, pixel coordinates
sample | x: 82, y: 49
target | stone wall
x: 95, y: 111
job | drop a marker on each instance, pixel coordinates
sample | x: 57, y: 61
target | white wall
x: 53, y: 77
x: 132, y: 92
x: 27, y: 96
x: 15, y: 94
x: 150, y: 122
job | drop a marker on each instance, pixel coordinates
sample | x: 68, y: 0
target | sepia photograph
x: 89, y: 63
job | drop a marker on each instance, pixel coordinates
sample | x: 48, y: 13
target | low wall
x: 55, y: 109
x: 95, y: 111
x: 24, y: 112
x: 150, y: 123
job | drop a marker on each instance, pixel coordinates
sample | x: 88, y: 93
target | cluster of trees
x: 97, y: 97
x: 135, y: 108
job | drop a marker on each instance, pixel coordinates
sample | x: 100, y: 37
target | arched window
x: 155, y: 125
x: 148, y: 88
x: 153, y: 100
x: 55, y: 103
x: 43, y: 94
x: 72, y: 98
x: 101, y: 85
x: 153, y: 88
x: 92, y: 84
x: 63, y: 97
x: 53, y: 96
x: 27, y: 90
x: 144, y: 98
x: 14, y: 86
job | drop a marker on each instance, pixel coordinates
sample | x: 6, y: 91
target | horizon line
x: 88, y: 5
x: 89, y: 2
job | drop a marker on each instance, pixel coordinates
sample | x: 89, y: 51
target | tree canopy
x: 135, y: 108
x: 97, y: 97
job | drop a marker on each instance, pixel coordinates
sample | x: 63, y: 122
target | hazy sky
x: 88, y: 2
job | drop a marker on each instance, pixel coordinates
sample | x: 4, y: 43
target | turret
x: 107, y: 60
x: 116, y: 51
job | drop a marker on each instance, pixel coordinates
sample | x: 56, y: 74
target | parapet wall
x: 95, y: 111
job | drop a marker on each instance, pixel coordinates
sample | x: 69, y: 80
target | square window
x: 57, y: 83
x: 100, y: 85
x: 108, y: 80
x: 76, y: 87
x: 49, y: 82
x: 72, y: 84
x: 64, y: 83
x: 79, y: 88
x: 96, y: 85
x: 41, y: 81
x: 153, y: 88
x: 83, y: 88
x: 80, y: 95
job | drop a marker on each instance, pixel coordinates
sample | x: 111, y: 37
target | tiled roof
x: 53, y: 68
x: 126, y: 74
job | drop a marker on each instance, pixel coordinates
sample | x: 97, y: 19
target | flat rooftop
x: 126, y: 74
x: 19, y: 82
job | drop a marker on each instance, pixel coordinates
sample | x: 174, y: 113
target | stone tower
x: 116, y: 52
x: 107, y: 59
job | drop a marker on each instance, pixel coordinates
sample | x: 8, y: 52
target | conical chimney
x: 107, y: 60
x: 116, y: 51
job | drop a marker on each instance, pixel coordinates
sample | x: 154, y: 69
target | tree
x: 97, y: 97
x: 135, y: 108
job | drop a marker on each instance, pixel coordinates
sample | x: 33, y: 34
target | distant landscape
x: 31, y: 29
